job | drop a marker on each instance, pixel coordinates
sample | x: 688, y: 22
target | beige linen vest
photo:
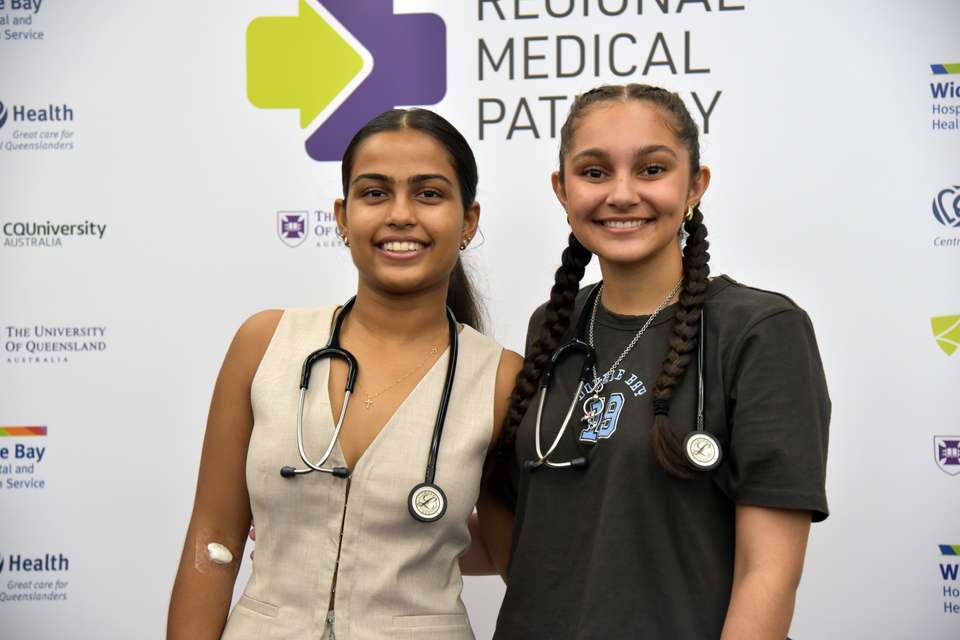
x: 398, y: 578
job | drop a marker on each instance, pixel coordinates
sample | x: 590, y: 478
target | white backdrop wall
x: 835, y: 150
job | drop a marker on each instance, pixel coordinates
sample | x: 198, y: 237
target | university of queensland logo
x: 3, y: 115
x: 292, y: 227
x: 341, y: 62
x: 947, y: 453
x: 946, y: 207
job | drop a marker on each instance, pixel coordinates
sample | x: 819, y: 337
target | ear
x: 340, y: 211
x: 558, y: 189
x: 471, y: 220
x: 699, y: 186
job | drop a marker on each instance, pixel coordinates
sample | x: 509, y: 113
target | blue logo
x: 608, y: 409
x: 946, y: 206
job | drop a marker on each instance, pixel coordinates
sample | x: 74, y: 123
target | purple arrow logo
x: 409, y: 65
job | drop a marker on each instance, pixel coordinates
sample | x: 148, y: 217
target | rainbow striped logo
x: 20, y: 432
x: 950, y: 549
x: 944, y: 69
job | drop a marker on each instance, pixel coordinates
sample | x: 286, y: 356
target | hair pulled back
x: 558, y: 312
x: 460, y: 294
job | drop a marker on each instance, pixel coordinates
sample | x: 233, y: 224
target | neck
x: 392, y: 318
x: 637, y: 289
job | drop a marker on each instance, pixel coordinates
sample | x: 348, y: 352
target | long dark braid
x: 683, y: 340
x: 556, y: 320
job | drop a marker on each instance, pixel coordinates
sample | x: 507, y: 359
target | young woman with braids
x: 639, y: 543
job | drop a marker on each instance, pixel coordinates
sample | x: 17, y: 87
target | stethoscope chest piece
x: 427, y: 502
x: 702, y: 450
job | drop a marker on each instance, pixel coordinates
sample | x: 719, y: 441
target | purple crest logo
x: 947, y: 453
x: 292, y: 227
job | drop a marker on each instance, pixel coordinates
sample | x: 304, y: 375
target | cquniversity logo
x: 3, y: 115
x: 946, y: 207
x: 341, y: 62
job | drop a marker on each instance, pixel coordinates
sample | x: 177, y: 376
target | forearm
x: 761, y: 606
x: 476, y: 561
x: 202, y: 591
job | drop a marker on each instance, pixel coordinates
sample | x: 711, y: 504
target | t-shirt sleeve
x: 780, y: 417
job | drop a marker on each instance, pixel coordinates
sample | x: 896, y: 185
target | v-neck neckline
x: 444, y: 358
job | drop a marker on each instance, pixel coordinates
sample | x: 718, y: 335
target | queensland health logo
x: 341, y: 62
x: 3, y: 115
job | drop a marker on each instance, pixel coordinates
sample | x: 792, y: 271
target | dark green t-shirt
x: 622, y: 550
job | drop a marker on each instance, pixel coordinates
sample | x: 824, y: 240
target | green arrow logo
x: 301, y: 62
x: 947, y: 331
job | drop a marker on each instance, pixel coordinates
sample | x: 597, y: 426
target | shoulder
x: 739, y: 309
x: 743, y: 302
x: 251, y: 340
x: 258, y: 329
x: 751, y: 325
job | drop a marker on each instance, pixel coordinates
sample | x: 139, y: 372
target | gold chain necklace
x: 370, y: 398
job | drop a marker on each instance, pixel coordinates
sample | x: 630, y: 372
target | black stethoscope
x: 702, y: 449
x: 426, y: 501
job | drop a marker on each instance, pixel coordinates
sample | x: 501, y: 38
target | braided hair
x: 556, y: 320
x: 684, y: 335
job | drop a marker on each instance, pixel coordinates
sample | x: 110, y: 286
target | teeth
x: 623, y: 224
x: 402, y: 246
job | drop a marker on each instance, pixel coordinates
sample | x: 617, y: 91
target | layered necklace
x: 591, y: 410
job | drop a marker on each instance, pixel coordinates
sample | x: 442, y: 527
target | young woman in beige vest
x: 343, y: 557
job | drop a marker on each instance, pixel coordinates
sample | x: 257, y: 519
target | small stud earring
x: 464, y: 243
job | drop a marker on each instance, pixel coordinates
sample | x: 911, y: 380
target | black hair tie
x: 661, y: 406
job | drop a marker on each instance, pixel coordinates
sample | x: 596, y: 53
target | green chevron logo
x: 946, y: 329
x: 303, y: 62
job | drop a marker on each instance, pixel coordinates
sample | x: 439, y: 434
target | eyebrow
x: 642, y: 151
x: 417, y: 179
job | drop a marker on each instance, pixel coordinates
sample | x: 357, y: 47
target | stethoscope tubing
x: 577, y: 344
x: 426, y: 501
x: 431, y: 470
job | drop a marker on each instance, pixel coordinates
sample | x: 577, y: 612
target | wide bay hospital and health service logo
x: 341, y: 62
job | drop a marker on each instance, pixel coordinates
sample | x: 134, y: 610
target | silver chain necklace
x: 589, y: 415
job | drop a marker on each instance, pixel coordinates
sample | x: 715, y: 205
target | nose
x: 622, y: 193
x: 401, y: 212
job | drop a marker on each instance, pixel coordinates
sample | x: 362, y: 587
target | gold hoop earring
x: 689, y: 215
x: 343, y: 237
